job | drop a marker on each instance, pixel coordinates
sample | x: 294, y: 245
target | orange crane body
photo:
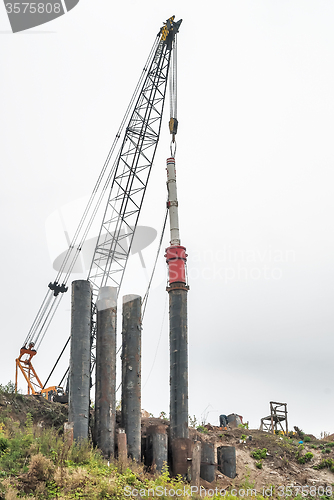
x: 35, y: 386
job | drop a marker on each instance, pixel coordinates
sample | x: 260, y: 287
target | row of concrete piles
x: 104, y: 430
x: 159, y: 445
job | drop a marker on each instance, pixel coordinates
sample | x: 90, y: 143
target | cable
x: 68, y: 369
x: 156, y: 351
x: 74, y: 249
x: 175, y: 76
x: 56, y: 363
x: 38, y: 318
x: 144, y: 301
x: 34, y: 322
x: 173, y: 82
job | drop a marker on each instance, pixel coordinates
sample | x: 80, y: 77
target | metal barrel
x: 226, y: 459
x: 156, y: 446
x: 208, y: 462
x: 182, y: 457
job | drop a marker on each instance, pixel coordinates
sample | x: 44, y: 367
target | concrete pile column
x: 79, y: 376
x: 131, y: 374
x: 178, y: 340
x: 105, y: 387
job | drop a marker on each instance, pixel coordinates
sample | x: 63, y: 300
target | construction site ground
x: 280, y: 467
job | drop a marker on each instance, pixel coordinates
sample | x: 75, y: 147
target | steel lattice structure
x: 133, y: 169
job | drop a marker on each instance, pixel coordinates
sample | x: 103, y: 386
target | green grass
x: 203, y: 429
x: 325, y: 463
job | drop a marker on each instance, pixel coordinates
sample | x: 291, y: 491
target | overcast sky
x: 255, y: 179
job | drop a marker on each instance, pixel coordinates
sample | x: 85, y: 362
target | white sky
x: 255, y: 179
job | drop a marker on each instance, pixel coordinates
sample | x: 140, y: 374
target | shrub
x: 299, y: 450
x: 307, y: 439
x: 39, y: 472
x: 192, y: 422
x: 325, y: 463
x: 258, y: 465
x: 203, y: 429
x: 8, y: 388
x: 3, y: 445
x: 259, y: 454
x: 40, y: 467
x: 14, y: 457
x: 305, y: 458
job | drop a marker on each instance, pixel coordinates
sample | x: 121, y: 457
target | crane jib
x: 169, y: 30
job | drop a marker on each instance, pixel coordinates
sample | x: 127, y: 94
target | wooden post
x: 286, y: 419
x: 196, y: 464
x: 272, y: 419
x: 68, y: 433
x: 122, y: 450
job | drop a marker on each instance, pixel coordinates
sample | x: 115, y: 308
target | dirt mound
x: 281, y: 462
x: 15, y: 407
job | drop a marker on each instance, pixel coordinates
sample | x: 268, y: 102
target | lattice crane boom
x: 127, y: 182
